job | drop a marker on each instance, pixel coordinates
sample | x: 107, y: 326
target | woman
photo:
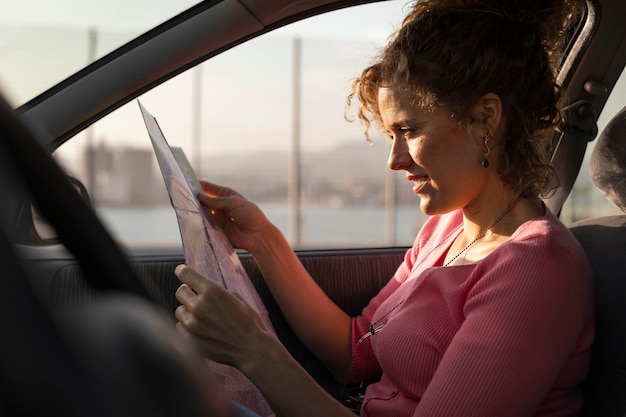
x: 490, y: 314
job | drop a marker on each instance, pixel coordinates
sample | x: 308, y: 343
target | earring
x: 485, y: 163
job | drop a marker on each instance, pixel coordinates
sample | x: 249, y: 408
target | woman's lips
x: 418, y: 182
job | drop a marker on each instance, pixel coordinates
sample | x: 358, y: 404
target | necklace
x: 374, y: 327
x: 484, y: 231
x: 354, y: 399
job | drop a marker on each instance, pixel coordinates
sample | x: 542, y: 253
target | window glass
x: 240, y: 118
x: 43, y: 42
x: 586, y: 200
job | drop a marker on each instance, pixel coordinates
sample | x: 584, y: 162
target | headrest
x: 608, y: 161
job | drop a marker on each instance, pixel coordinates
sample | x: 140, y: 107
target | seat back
x: 604, y: 240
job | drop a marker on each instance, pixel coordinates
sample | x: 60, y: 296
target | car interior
x: 89, y: 322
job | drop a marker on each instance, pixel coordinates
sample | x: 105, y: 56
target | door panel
x: 350, y: 278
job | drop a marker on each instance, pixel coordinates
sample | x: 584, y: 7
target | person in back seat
x: 491, y: 312
x: 608, y: 161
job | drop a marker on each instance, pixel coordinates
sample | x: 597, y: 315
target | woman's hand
x: 231, y: 332
x: 225, y: 327
x: 322, y: 326
x: 242, y: 221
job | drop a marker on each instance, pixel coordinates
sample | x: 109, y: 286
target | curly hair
x: 452, y: 52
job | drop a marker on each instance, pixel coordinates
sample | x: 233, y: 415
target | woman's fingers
x: 217, y: 190
x: 218, y: 317
x: 218, y: 203
x: 221, y: 202
x: 222, y: 323
x: 193, y: 280
x: 195, y: 295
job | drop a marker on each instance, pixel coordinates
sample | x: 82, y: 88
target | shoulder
x: 541, y: 266
x: 547, y: 231
x: 543, y: 243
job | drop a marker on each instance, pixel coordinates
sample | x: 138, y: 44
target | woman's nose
x: 399, y: 156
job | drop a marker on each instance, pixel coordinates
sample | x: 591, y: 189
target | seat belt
x: 579, y: 127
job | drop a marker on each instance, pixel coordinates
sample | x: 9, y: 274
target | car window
x: 235, y: 117
x: 244, y: 121
x: 586, y: 200
x: 46, y: 41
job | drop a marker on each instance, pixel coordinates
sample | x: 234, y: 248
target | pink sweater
x: 508, y: 336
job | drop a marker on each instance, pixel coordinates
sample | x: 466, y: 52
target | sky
x: 127, y: 18
x: 133, y: 14
x: 248, y: 87
x: 334, y: 49
x: 111, y: 14
x: 255, y: 115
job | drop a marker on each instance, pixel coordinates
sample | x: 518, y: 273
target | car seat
x: 604, y: 240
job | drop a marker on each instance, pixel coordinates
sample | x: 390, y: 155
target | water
x: 321, y: 227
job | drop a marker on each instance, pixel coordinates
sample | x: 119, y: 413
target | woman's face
x: 441, y: 157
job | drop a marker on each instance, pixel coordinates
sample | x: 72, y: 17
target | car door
x: 266, y: 118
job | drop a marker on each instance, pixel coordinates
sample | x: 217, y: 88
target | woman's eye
x: 404, y: 132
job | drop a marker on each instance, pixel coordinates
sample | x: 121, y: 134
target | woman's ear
x: 487, y: 113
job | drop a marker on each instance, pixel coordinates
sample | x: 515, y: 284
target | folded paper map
x: 208, y: 251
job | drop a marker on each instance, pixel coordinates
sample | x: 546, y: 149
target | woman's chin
x: 430, y: 208
x: 426, y: 206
